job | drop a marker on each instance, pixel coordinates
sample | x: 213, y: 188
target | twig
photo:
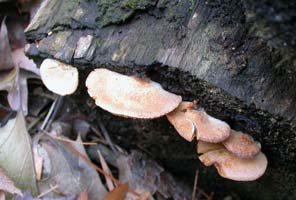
x: 83, y: 157
x: 107, y: 138
x: 35, y: 121
x: 67, y: 140
x: 55, y: 111
x: 47, y: 191
x: 195, y: 185
x: 49, y: 114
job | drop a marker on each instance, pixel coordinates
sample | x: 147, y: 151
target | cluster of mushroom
x: 235, y: 155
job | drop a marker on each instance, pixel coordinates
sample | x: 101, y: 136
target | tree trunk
x: 236, y: 58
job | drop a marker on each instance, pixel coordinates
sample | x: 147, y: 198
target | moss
x: 99, y: 42
x: 118, y: 11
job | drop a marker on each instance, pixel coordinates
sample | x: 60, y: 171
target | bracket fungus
x: 233, y: 167
x: 190, y: 122
x: 242, y: 145
x: 204, y: 147
x: 208, y: 128
x: 184, y: 126
x: 130, y: 96
x: 58, y: 77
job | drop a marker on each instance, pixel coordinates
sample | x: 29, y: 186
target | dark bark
x: 237, y: 58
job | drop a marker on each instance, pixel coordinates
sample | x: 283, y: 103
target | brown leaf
x: 6, y: 61
x: 38, y: 163
x: 118, y: 193
x: 28, y: 196
x: 15, y: 83
x: 83, y: 195
x: 70, y: 173
x: 145, y: 196
x: 7, y: 185
x: 22, y: 61
x: 2, y: 195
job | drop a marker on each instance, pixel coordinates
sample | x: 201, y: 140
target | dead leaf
x: 118, y: 193
x: 22, y: 61
x: 28, y: 196
x: 38, y: 163
x: 16, y: 86
x: 2, y: 195
x: 70, y: 173
x: 83, y: 196
x: 6, y: 61
x: 145, y: 196
x: 105, y: 167
x: 7, y: 185
x: 16, y: 154
x: 145, y: 174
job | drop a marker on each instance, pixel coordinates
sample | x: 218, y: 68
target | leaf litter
x: 58, y: 167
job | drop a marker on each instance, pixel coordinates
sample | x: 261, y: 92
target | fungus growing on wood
x: 208, y: 129
x: 58, y: 77
x: 235, y: 168
x: 204, y: 147
x: 130, y: 96
x: 184, y: 126
x: 242, y: 145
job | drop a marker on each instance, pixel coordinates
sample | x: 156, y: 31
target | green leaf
x: 16, y: 154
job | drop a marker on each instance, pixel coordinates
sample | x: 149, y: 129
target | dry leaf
x: 38, y: 163
x: 22, y: 61
x: 83, y: 196
x: 70, y: 173
x: 145, y: 174
x: 16, y: 154
x: 16, y: 86
x: 118, y: 193
x: 105, y: 167
x: 28, y: 196
x: 6, y: 61
x: 145, y: 196
x: 2, y: 195
x: 7, y: 185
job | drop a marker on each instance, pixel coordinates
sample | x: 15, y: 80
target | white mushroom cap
x: 233, y: 167
x: 209, y: 129
x: 204, y: 147
x: 242, y: 145
x: 129, y: 96
x: 58, y: 77
x: 184, y: 126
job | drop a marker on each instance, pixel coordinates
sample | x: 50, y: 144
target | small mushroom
x: 204, y: 147
x: 184, y: 126
x: 235, y: 168
x: 58, y: 77
x: 242, y: 145
x: 209, y: 129
x: 130, y: 96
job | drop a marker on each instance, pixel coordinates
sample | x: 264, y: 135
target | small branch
x: 195, y: 186
x: 67, y: 140
x: 107, y: 137
x: 48, y: 191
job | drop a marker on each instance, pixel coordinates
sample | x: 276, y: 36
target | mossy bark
x: 236, y: 58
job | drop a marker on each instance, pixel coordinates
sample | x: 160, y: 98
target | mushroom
x: 235, y: 168
x: 130, y: 96
x: 209, y: 129
x: 242, y: 145
x: 184, y: 126
x: 58, y: 77
x: 204, y: 147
